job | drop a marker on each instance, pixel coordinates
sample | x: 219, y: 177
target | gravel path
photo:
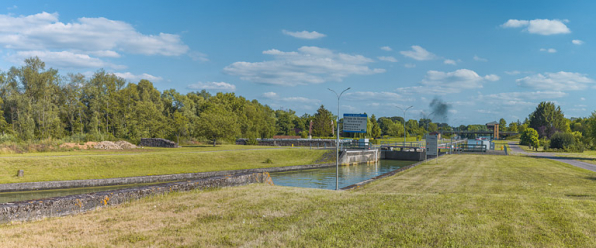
x: 572, y: 161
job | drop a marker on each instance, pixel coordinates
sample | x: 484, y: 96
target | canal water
x: 41, y: 194
x: 324, y: 178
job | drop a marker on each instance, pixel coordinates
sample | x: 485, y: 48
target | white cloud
x: 514, y: 100
x: 512, y: 72
x: 577, y: 42
x: 409, y: 65
x: 304, y: 34
x: 480, y: 59
x: 44, y: 31
x: 369, y: 95
x: 462, y: 78
x: 135, y: 78
x: 484, y: 111
x: 387, y: 58
x: 449, y: 62
x: 386, y: 48
x: 492, y: 77
x: 300, y: 99
x: 270, y: 95
x: 513, y: 23
x: 105, y: 53
x: 308, y: 65
x: 539, y: 26
x: 550, y: 50
x: 441, y: 83
x: 63, y: 59
x: 212, y: 86
x: 583, y: 99
x: 559, y: 81
x: 419, y: 53
x: 197, y: 56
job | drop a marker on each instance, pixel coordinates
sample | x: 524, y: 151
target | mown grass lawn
x: 96, y: 164
x: 464, y: 200
x: 503, y: 143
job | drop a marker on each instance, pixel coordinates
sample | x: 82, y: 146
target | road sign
x: 431, y: 145
x: 355, y: 123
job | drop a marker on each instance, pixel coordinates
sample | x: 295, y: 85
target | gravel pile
x: 107, y: 145
x: 125, y: 145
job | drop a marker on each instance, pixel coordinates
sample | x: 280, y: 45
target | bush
x: 530, y: 137
x: 252, y: 141
x: 562, y: 141
x: 304, y: 134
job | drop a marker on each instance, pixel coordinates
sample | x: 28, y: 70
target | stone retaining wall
x: 11, y: 187
x: 61, y: 206
x: 320, y: 143
x: 156, y: 142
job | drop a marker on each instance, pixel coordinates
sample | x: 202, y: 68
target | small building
x: 494, y: 126
x: 437, y: 134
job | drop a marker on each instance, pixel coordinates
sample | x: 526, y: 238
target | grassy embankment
x: 93, y: 164
x: 503, y: 143
x: 464, y: 200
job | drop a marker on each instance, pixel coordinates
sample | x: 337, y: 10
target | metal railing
x: 471, y: 148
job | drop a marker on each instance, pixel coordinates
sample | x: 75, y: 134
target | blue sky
x: 486, y: 59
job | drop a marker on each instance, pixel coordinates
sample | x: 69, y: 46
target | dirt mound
x: 85, y: 146
x: 107, y: 145
x: 125, y: 145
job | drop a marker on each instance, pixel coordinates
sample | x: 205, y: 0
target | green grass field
x: 94, y: 164
x: 503, y: 143
x: 464, y: 200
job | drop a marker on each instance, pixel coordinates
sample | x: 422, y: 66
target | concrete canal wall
x: 11, y: 187
x: 349, y: 157
x: 61, y: 206
x: 412, y: 155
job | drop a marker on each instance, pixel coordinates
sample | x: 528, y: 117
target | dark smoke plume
x: 440, y: 109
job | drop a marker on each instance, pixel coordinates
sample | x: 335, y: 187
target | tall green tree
x: 547, y: 119
x: 218, y: 123
x: 502, y: 125
x: 323, y: 122
x: 513, y: 127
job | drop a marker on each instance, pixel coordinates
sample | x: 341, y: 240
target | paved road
x: 572, y: 161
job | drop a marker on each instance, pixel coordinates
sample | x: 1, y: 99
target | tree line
x: 38, y: 103
x: 547, y: 127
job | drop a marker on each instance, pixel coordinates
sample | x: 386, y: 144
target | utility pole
x: 337, y: 142
x: 405, y: 122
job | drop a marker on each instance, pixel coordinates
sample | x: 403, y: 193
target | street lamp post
x: 405, y: 122
x: 337, y: 142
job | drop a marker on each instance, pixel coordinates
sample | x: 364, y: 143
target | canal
x: 324, y: 178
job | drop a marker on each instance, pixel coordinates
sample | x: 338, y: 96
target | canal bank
x: 67, y: 205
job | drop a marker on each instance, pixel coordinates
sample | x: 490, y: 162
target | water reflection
x: 324, y: 178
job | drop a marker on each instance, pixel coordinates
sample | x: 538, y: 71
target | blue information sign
x: 355, y: 123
